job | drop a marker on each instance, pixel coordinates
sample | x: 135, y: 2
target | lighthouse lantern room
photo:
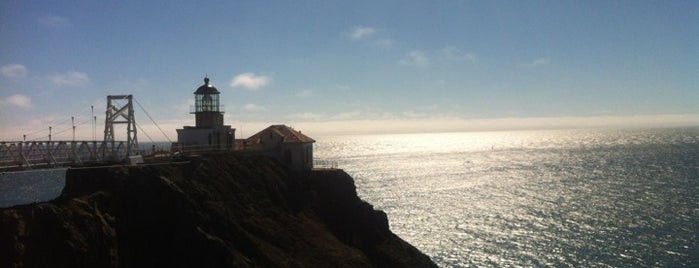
x: 207, y: 109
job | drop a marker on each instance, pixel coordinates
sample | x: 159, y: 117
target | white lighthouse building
x: 209, y: 133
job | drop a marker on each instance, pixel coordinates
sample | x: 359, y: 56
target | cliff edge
x: 212, y: 211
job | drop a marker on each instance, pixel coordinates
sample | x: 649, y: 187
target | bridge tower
x: 121, y: 115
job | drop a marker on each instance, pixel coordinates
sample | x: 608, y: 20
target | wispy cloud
x: 383, y: 43
x: 13, y: 71
x: 369, y: 36
x: 70, y: 79
x: 17, y: 100
x: 343, y: 87
x: 414, y: 114
x: 249, y: 81
x: 537, y: 62
x: 454, y: 54
x: 389, y: 124
x: 304, y: 93
x: 305, y: 116
x: 347, y: 115
x: 361, y: 32
x: 55, y: 22
x: 250, y: 107
x: 184, y: 106
x: 415, y: 58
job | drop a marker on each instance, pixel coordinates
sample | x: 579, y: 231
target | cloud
x: 70, y: 79
x: 249, y: 81
x: 392, y: 125
x: 304, y: 93
x: 383, y: 43
x: 54, y: 22
x: 347, y: 115
x: 369, y: 36
x: 13, y: 71
x: 185, y: 107
x: 454, y: 54
x: 17, y: 100
x: 343, y: 87
x: 415, y: 58
x: 537, y: 62
x: 413, y: 114
x: 361, y: 32
x: 305, y: 116
x: 250, y: 107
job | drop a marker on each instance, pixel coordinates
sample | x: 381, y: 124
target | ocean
x: 26, y: 187
x: 560, y: 198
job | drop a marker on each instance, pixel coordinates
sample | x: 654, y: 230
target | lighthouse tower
x: 206, y: 106
x: 209, y: 132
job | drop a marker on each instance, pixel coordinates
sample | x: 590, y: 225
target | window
x: 207, y: 103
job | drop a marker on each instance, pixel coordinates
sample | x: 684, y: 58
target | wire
x: 144, y: 132
x: 61, y: 131
x: 54, y: 124
x: 151, y: 119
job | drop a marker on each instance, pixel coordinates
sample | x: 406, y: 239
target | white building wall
x: 192, y: 139
x: 298, y: 156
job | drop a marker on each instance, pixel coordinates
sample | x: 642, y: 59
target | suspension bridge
x: 51, y: 153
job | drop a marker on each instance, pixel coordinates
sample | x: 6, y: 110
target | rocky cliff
x: 212, y: 211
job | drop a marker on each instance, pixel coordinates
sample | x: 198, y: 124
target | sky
x: 349, y: 67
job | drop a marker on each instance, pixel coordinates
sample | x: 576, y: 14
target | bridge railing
x: 26, y: 154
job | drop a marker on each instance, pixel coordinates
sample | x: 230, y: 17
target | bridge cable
x: 54, y: 124
x: 151, y: 119
x: 144, y: 132
x: 57, y: 131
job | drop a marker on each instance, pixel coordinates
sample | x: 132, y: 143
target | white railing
x: 25, y: 154
x: 323, y: 163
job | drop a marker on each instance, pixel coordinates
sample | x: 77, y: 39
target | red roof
x: 289, y: 134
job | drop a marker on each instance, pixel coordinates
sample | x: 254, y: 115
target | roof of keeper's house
x: 289, y: 135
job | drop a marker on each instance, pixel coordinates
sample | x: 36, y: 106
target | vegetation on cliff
x: 213, y: 211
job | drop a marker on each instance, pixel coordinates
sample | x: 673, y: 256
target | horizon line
x: 436, y: 124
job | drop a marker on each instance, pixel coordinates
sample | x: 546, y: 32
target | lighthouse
x: 208, y: 133
x: 207, y: 109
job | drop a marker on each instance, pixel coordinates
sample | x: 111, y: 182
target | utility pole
x: 92, y: 108
x: 72, y: 120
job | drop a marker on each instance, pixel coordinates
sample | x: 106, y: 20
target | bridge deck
x: 28, y: 154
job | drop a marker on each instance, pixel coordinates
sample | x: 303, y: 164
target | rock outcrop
x: 212, y: 211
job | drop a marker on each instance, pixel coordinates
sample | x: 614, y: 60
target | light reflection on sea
x: 534, y: 198
x: 31, y: 186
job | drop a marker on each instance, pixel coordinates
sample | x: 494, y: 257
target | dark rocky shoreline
x: 213, y: 211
